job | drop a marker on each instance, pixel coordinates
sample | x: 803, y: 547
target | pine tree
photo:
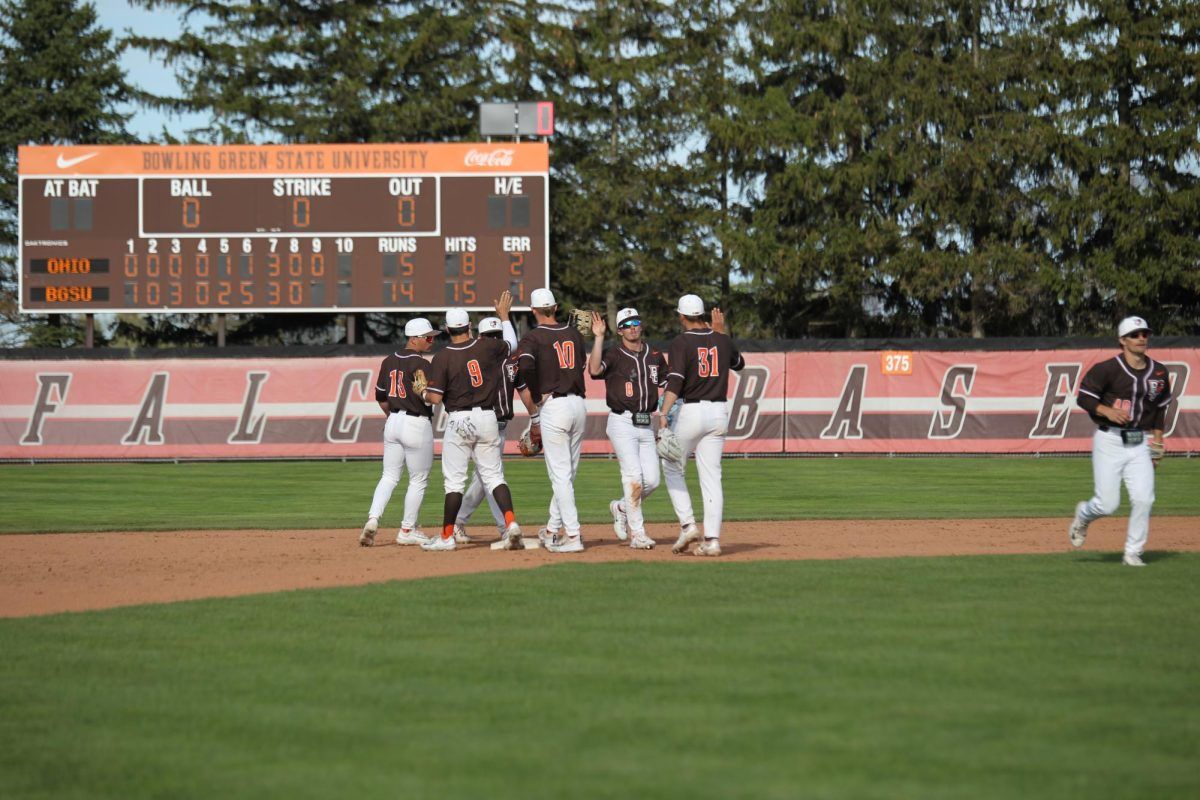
x: 1124, y: 221
x: 60, y: 83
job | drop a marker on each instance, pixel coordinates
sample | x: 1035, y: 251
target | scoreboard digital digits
x: 235, y: 228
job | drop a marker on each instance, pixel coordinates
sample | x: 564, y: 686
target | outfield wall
x: 799, y: 402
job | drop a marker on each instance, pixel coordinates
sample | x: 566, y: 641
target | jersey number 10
x: 566, y: 354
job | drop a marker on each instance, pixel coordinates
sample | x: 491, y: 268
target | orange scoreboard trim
x: 389, y: 159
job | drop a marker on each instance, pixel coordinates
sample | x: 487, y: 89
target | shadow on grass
x: 1150, y: 557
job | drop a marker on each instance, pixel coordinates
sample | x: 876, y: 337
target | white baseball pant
x: 563, y: 420
x: 700, y: 427
x: 406, y: 441
x: 472, y: 435
x: 1113, y: 461
x: 638, y: 462
x: 474, y: 497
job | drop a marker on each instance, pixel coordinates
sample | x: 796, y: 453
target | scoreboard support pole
x: 89, y: 330
x: 351, y: 337
x: 220, y: 330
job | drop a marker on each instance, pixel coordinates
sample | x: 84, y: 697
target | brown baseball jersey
x: 508, y: 384
x: 552, y: 360
x: 395, y: 384
x: 631, y: 379
x: 1143, y: 393
x: 467, y: 375
x: 700, y: 361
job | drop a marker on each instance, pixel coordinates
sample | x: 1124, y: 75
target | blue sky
x: 122, y: 19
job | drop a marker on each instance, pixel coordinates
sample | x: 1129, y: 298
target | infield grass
x: 100, y: 497
x: 987, y: 677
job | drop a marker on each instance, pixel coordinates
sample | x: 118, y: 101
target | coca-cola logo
x: 495, y: 158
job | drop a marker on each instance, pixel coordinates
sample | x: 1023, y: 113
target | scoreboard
x: 267, y: 228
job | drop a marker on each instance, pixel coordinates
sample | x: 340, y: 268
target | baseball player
x: 491, y: 328
x: 700, y: 359
x: 632, y: 372
x: 1127, y: 397
x: 407, y: 434
x: 465, y: 377
x: 551, y: 366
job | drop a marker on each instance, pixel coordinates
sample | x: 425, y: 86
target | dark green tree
x: 1124, y: 220
x: 60, y: 83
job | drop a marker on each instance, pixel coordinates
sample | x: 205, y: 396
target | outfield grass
x: 988, y: 677
x: 74, y: 497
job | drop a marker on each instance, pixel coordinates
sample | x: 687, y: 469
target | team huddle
x: 476, y: 379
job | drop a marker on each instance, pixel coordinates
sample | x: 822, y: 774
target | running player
x: 407, y: 434
x: 632, y: 372
x: 700, y: 359
x: 551, y: 367
x: 465, y: 376
x: 1127, y: 397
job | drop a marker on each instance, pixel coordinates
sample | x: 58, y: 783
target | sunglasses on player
x: 633, y: 323
x: 430, y: 339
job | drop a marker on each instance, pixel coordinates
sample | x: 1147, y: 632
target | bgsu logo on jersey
x: 511, y: 371
x: 653, y: 369
x: 1154, y: 387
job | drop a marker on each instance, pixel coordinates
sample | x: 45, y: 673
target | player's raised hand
x: 718, y: 320
x: 599, y: 326
x: 503, y: 304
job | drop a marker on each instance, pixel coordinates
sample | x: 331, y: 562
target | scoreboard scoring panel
x: 166, y: 229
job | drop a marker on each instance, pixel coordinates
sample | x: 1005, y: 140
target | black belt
x: 472, y: 408
x: 1104, y: 428
x: 415, y: 414
x: 622, y: 411
x: 564, y: 394
x: 688, y: 402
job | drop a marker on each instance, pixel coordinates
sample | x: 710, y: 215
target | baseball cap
x: 457, y: 318
x: 490, y: 325
x: 626, y: 314
x: 418, y: 326
x: 542, y: 298
x: 690, y: 306
x: 1131, y: 324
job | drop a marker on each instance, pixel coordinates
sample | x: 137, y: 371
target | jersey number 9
x: 475, y: 372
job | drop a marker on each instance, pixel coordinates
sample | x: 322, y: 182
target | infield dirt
x: 50, y: 573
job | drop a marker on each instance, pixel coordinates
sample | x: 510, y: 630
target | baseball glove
x: 419, y: 381
x: 527, y: 445
x: 1157, y: 449
x: 581, y: 318
x: 668, y: 446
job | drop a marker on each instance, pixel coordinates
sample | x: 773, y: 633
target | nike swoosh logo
x: 67, y: 163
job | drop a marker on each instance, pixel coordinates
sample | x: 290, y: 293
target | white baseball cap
x: 626, y: 313
x: 690, y: 306
x: 490, y: 325
x: 542, y: 298
x: 1131, y: 324
x: 418, y: 326
x: 457, y: 318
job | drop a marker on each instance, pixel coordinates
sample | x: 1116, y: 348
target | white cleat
x: 512, y: 538
x: 710, y: 547
x: 411, y: 536
x: 439, y: 544
x: 367, y: 537
x: 1133, y: 560
x: 547, y: 537
x: 460, y: 535
x: 1078, y: 529
x: 640, y: 541
x: 689, y: 534
x: 620, y: 521
x: 568, y: 544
